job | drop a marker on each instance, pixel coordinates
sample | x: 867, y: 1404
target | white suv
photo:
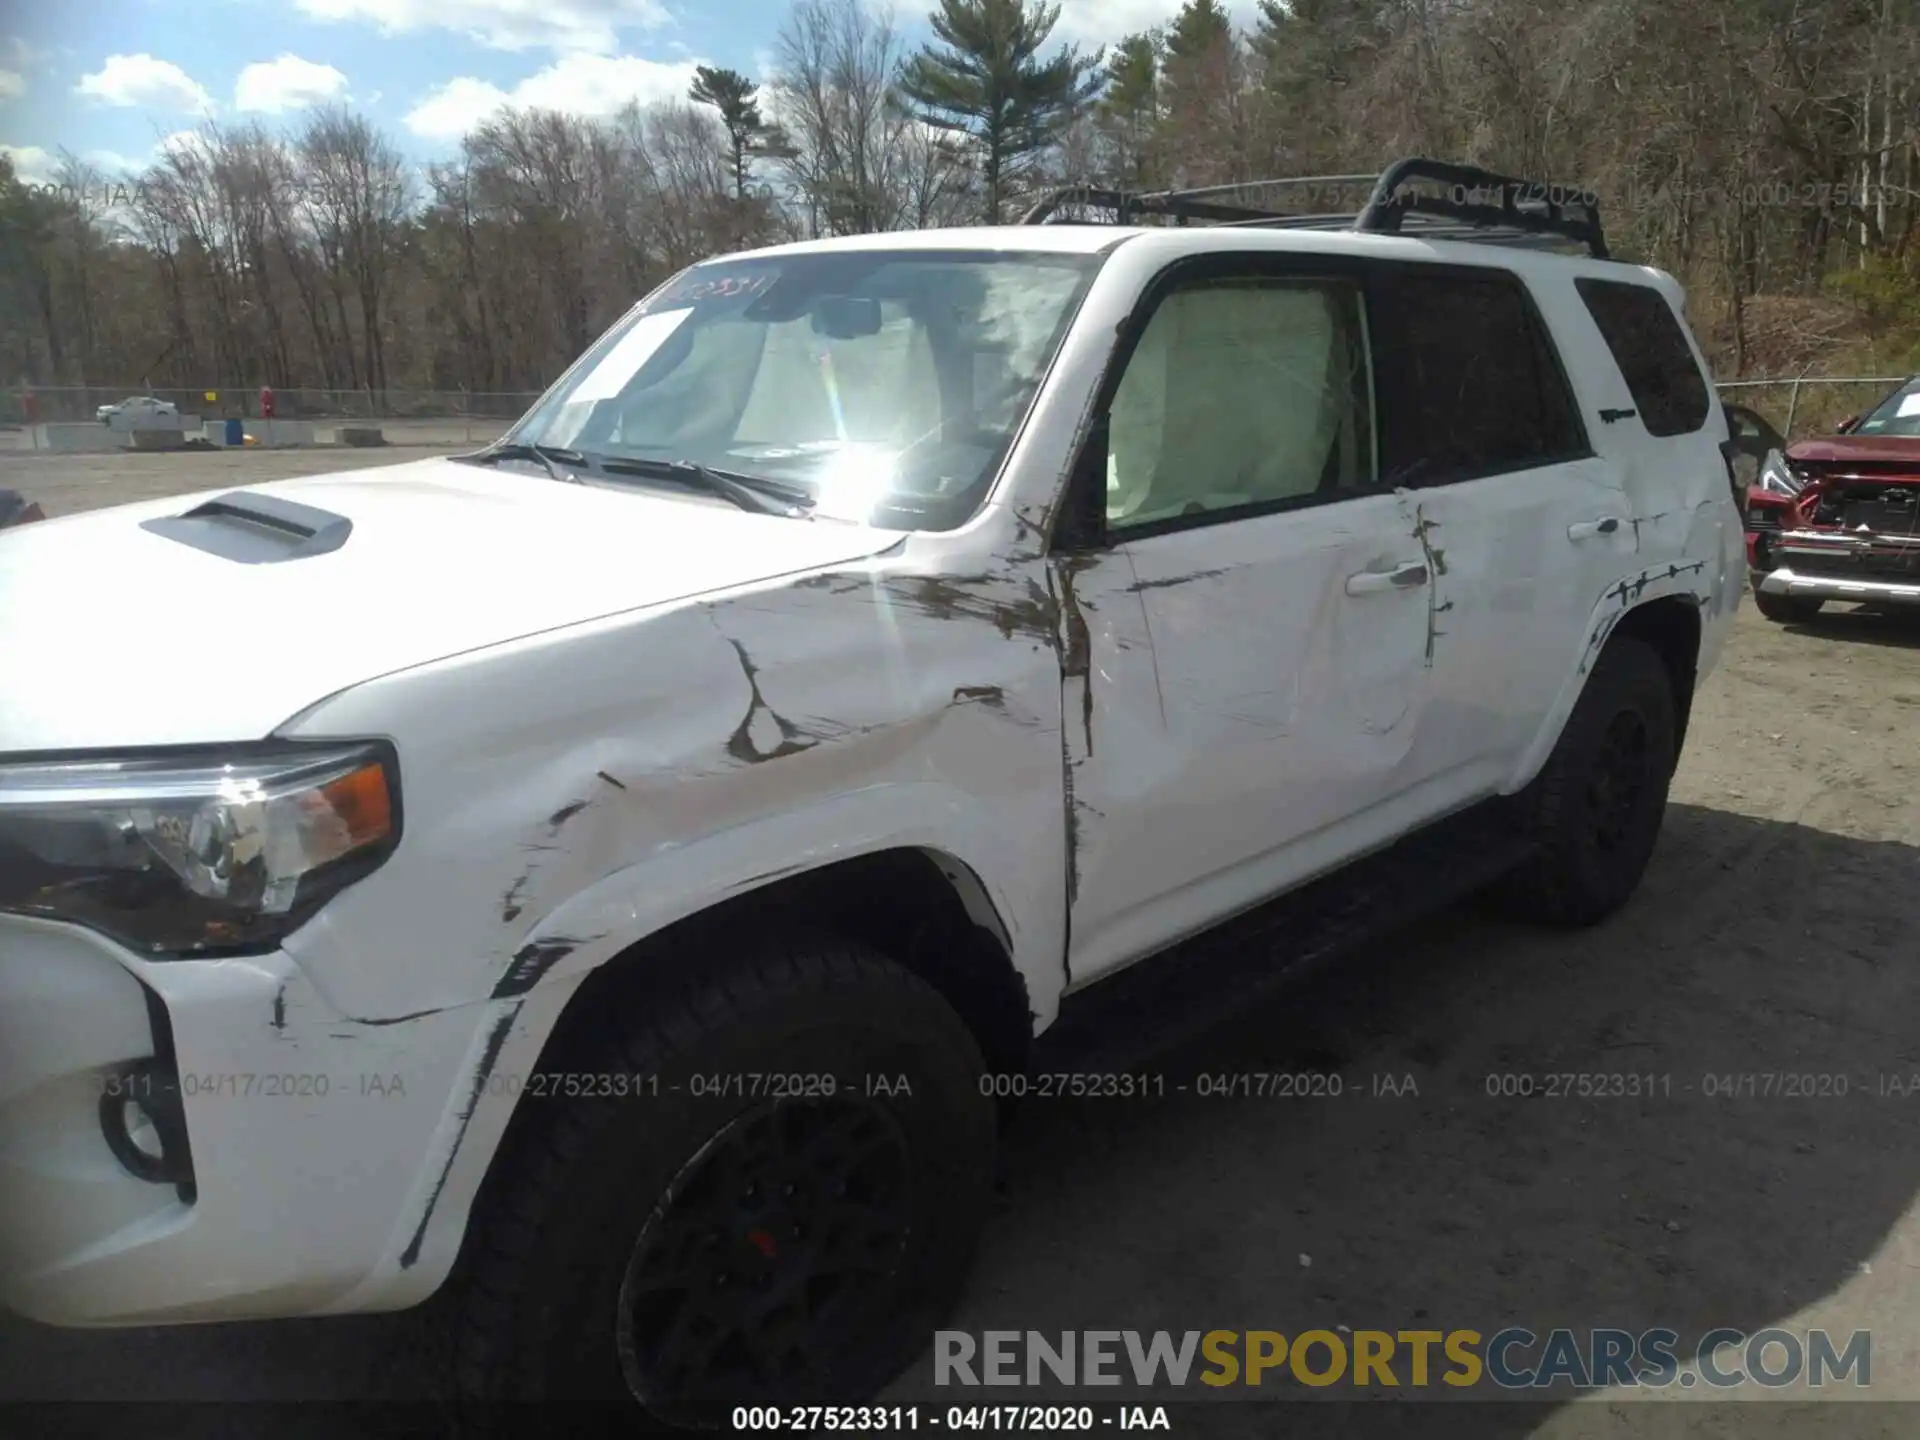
x: 621, y: 869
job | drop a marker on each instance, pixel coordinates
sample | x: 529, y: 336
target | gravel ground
x: 1772, y: 938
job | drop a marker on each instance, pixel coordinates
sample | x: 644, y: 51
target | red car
x: 1838, y: 517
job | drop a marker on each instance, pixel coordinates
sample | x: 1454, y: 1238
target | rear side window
x: 1651, y: 350
x: 1473, y: 386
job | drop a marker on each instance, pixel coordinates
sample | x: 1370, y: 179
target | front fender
x: 572, y: 794
x: 966, y: 836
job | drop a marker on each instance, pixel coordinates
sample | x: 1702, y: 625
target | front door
x: 1250, y: 611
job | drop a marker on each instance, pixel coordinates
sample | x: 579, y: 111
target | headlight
x: 194, y: 853
x: 1777, y: 475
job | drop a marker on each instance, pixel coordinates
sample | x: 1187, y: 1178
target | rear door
x: 1525, y: 524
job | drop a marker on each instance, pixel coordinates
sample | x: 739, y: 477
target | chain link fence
x: 1810, y: 404
x: 1796, y: 406
x: 417, y: 417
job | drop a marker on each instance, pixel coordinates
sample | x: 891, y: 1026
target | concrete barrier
x: 128, y: 424
x: 359, y: 435
x: 280, y: 433
x: 76, y: 438
x: 156, y: 438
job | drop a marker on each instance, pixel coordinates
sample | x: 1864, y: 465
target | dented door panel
x: 1287, y: 714
x: 1520, y: 559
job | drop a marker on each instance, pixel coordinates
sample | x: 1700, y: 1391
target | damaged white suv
x: 615, y: 873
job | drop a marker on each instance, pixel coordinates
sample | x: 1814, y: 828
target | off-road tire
x: 1585, y: 869
x: 1786, y: 609
x: 544, y: 1274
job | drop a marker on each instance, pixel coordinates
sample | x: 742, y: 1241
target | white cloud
x: 191, y: 142
x: 31, y: 164
x: 592, y: 85
x: 1101, y: 22
x: 288, y: 83
x: 564, y: 25
x: 112, y: 161
x: 12, y: 85
x: 145, y: 81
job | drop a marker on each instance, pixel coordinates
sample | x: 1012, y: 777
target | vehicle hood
x: 114, y: 635
x: 1859, y: 449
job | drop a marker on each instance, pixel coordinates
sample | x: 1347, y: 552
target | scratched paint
x: 630, y: 708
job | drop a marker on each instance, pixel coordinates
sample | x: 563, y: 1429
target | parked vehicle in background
x: 881, y: 667
x: 135, y: 409
x: 1751, y: 438
x: 1837, y: 517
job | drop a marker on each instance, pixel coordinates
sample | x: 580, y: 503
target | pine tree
x: 1129, y: 112
x: 733, y: 95
x: 985, y: 80
x: 1199, y: 91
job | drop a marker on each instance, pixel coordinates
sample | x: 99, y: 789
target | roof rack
x: 1473, y: 204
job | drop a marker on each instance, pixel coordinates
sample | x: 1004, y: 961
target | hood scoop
x: 254, y: 529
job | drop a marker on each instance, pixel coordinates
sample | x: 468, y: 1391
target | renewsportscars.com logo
x: 1511, y: 1359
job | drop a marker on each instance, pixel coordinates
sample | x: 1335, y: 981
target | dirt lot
x: 1772, y: 940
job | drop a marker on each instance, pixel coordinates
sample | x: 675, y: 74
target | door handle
x: 1587, y: 529
x: 1402, y: 577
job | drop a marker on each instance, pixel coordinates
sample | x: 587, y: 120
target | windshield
x: 1898, y: 414
x: 884, y: 386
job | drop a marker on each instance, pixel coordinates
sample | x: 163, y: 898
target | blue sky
x: 110, y: 80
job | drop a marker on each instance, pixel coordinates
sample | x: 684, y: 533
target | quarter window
x: 1652, y: 352
x: 1244, y: 394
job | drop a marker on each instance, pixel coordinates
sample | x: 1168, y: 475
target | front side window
x: 879, y: 386
x: 1243, y: 395
x: 1651, y: 350
x: 1898, y: 414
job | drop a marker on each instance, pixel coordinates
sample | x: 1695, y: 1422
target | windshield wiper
x: 550, y: 456
x: 749, y: 492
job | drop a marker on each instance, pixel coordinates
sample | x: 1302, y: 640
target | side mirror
x: 1845, y: 427
x: 846, y: 317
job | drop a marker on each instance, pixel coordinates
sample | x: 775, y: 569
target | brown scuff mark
x: 1436, y: 567
x: 754, y: 882
x: 610, y: 780
x: 1030, y: 522
x: 496, y: 1042
x: 1073, y: 825
x: 565, y: 813
x: 835, y: 584
x: 740, y: 745
x: 532, y: 961
x: 991, y: 696
x: 399, y: 1019
x: 510, y: 906
x: 1076, y: 643
x: 970, y: 597
x: 1171, y: 581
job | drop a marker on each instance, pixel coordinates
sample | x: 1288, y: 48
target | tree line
x: 1754, y: 147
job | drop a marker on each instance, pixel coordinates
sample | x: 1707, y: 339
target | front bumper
x: 1786, y: 581
x: 311, y: 1135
